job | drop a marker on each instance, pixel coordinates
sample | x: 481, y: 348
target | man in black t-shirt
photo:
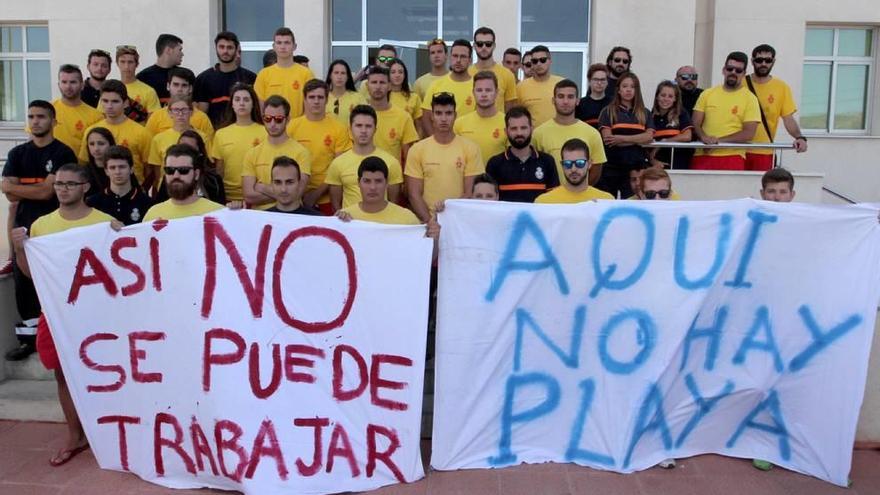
x: 169, y: 53
x: 98, y: 65
x: 686, y: 79
x: 286, y: 188
x: 211, y: 90
x: 28, y: 179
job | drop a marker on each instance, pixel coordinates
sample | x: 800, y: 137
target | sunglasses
x: 737, y: 70
x: 620, y: 60
x: 579, y: 163
x: 278, y: 118
x: 336, y: 107
x: 483, y: 44
x: 126, y: 47
x: 437, y: 41
x: 762, y: 60
x: 664, y: 194
x: 384, y: 59
x: 178, y: 170
x: 688, y: 77
x: 540, y: 60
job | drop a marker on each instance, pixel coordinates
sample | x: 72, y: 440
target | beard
x: 617, y: 72
x: 40, y: 134
x: 730, y: 82
x: 763, y: 71
x: 520, y: 142
x: 579, y: 182
x: 226, y: 60
x: 181, y: 190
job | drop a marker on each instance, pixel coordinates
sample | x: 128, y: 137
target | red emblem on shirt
x: 459, y: 163
x: 79, y: 125
x: 256, y: 142
x: 124, y: 143
x: 770, y: 99
x: 496, y: 133
x: 469, y: 101
x: 296, y: 85
x: 328, y: 141
x: 735, y: 109
x: 392, y: 134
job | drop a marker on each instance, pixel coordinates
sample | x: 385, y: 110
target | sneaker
x: 5, y: 268
x: 667, y: 464
x: 762, y: 465
x: 20, y: 353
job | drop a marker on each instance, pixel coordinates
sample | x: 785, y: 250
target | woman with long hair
x: 401, y: 96
x: 343, y: 96
x: 671, y: 123
x: 244, y: 131
x: 98, y: 140
x: 625, y: 125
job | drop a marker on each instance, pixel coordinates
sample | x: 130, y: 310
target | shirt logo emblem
x: 79, y: 125
x: 539, y: 173
x: 459, y: 163
x: 296, y: 85
x: 392, y: 134
x: 328, y: 141
x: 135, y: 215
x: 124, y: 143
x: 256, y: 142
x: 470, y: 101
x: 49, y: 166
x: 770, y: 99
x: 735, y: 109
x: 496, y: 133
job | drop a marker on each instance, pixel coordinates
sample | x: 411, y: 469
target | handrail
x: 700, y: 144
x: 840, y: 196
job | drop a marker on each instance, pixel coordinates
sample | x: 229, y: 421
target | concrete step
x: 30, y: 400
x: 28, y: 369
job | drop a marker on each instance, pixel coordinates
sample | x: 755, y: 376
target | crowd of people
x: 165, y: 143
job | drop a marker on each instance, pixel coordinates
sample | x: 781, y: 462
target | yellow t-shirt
x: 489, y: 133
x: 463, y: 91
x: 550, y: 136
x: 231, y: 143
x: 423, y: 83
x: 143, y: 93
x: 129, y: 134
x: 170, y: 211
x: 561, y: 195
x: 443, y: 167
x: 394, y: 129
x: 725, y: 112
x: 287, y: 82
x: 776, y: 100
x: 537, y: 97
x: 325, y: 139
x: 343, y: 172
x: 54, y: 223
x: 72, y: 121
x: 347, y: 102
x: 258, y: 162
x: 392, y: 214
x: 164, y: 140
x: 411, y: 105
x: 506, y: 84
x: 161, y: 121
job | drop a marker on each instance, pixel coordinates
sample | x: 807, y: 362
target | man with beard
x: 484, y: 45
x: 211, y: 90
x: 437, y: 52
x: 522, y: 172
x: 98, y: 65
x: 618, y: 61
x: 28, y: 179
x: 776, y: 101
x: 485, y: 126
x: 181, y: 178
x: 728, y: 113
x: 551, y: 135
x: 71, y: 114
x: 256, y: 174
x: 536, y: 92
x: 575, y: 166
x: 686, y: 78
x: 169, y: 54
x: 441, y: 166
x: 457, y: 83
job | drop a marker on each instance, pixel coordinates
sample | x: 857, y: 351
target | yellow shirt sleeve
x: 409, y: 131
x: 474, y: 164
x: 414, y: 163
x: 700, y: 106
x: 597, y: 147
x: 788, y: 105
x: 260, y: 83
x: 249, y: 168
x: 332, y: 178
x: 753, y: 109
x: 395, y: 174
x: 155, y: 156
x: 342, y: 141
x: 151, y: 101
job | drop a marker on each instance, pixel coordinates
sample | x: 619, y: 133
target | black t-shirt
x: 212, y: 87
x: 302, y: 210
x: 589, y: 109
x: 689, y: 99
x: 90, y: 96
x: 522, y: 181
x: 157, y: 78
x: 626, y: 124
x: 128, y: 209
x: 612, y: 86
x: 663, y: 129
x: 32, y: 164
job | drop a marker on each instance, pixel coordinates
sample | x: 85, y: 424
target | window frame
x: 24, y: 56
x: 561, y: 46
x: 250, y: 46
x: 835, y: 61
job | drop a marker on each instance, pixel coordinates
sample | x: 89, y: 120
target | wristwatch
x: 800, y: 137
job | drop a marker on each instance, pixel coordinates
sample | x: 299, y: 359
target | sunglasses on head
x: 688, y: 77
x: 180, y: 170
x: 484, y: 44
x: 540, y: 60
x: 763, y: 60
x: 664, y: 194
x: 620, y: 60
x: 278, y: 118
x: 579, y: 163
x: 384, y: 59
x: 737, y: 70
x: 437, y: 41
x: 336, y: 107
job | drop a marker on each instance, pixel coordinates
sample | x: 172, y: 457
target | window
x: 360, y: 26
x: 564, y: 27
x: 24, y: 69
x: 254, y: 22
x: 838, y: 70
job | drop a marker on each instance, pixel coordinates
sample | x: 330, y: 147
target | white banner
x: 250, y: 351
x: 617, y: 334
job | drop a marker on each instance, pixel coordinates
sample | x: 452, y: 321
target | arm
x: 404, y: 150
x: 468, y: 186
x: 12, y: 186
x: 633, y: 140
x: 336, y: 197
x: 420, y: 208
x: 698, y: 128
x: 18, y: 236
x: 743, y: 136
x: 10, y: 196
x: 311, y: 198
x: 427, y: 125
x: 794, y: 130
x: 393, y: 192
x: 255, y: 193
x: 685, y: 137
x: 219, y: 164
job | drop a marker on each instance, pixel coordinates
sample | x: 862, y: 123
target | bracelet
x: 800, y: 137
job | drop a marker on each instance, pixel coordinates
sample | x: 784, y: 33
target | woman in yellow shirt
x: 242, y: 129
x: 401, y: 96
x: 343, y: 95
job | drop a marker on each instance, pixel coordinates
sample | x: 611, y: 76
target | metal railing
x: 777, y: 148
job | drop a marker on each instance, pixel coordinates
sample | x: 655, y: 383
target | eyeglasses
x: 620, y: 61
x: 178, y: 170
x: 67, y: 185
x: 688, y: 77
x: 763, y: 60
x: 579, y: 163
x: 384, y: 59
x: 179, y: 111
x: 664, y: 194
x: 737, y: 70
x: 278, y: 118
x: 599, y: 79
x: 540, y: 60
x: 484, y: 44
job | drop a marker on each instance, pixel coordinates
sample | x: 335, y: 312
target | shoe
x: 5, y: 268
x: 667, y: 464
x: 20, y: 353
x: 67, y: 455
x: 762, y: 465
